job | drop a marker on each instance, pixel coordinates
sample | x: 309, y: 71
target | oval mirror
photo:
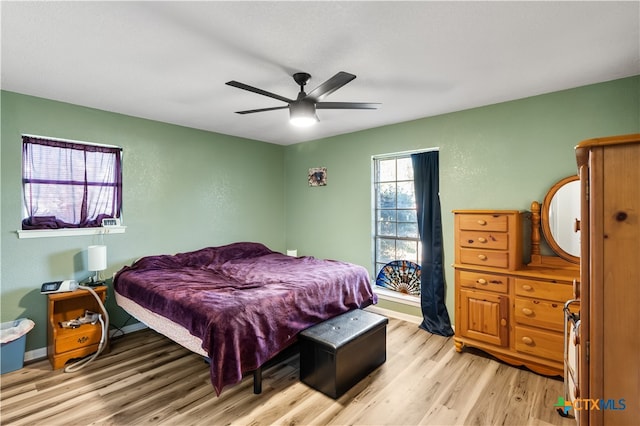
x: 560, y: 218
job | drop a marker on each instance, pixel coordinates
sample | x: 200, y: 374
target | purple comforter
x: 245, y: 302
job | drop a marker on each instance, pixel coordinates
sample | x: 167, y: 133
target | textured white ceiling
x: 168, y: 61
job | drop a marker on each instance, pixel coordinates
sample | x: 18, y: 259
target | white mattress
x: 162, y: 325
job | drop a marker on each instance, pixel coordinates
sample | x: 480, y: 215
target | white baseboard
x: 41, y: 353
x: 399, y: 315
x: 35, y: 354
x: 394, y: 314
x: 130, y: 328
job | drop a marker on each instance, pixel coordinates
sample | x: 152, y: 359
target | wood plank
x: 147, y: 378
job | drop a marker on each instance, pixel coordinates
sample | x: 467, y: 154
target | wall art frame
x: 317, y: 176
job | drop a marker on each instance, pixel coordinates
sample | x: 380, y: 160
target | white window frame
x: 66, y: 232
x: 386, y: 293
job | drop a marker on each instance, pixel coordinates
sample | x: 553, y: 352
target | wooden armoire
x: 608, y: 388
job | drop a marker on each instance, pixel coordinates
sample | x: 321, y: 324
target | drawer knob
x: 482, y: 239
x: 576, y: 225
x: 527, y: 311
x: 527, y: 340
x: 481, y: 281
x: 503, y: 322
x: 527, y: 287
x: 482, y: 257
x: 482, y: 222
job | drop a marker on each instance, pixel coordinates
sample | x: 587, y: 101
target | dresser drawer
x: 539, y: 313
x: 545, y: 344
x: 483, y: 222
x: 81, y: 337
x: 483, y: 281
x: 496, y: 259
x: 543, y: 290
x: 484, y: 240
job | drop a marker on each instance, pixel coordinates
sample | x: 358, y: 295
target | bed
x: 239, y: 305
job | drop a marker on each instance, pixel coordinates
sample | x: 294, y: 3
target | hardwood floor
x: 148, y: 379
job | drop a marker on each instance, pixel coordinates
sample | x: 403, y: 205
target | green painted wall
x: 184, y: 189
x: 501, y: 156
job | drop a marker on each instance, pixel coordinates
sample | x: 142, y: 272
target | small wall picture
x: 317, y: 176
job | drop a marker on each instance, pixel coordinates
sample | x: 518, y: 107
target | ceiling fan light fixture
x: 302, y: 114
x: 302, y: 110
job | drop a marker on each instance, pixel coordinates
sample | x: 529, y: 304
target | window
x: 396, y: 225
x: 68, y: 184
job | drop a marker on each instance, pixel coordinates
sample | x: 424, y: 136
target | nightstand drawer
x: 539, y: 313
x: 77, y: 338
x: 483, y: 281
x: 545, y: 344
x: 484, y: 222
x: 496, y: 259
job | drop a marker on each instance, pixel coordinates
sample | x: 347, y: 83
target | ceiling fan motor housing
x: 302, y: 78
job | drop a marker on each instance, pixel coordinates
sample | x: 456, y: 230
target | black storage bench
x: 338, y: 353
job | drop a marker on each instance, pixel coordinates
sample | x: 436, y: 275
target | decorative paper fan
x: 400, y: 275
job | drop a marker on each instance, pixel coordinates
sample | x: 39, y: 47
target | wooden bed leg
x: 257, y: 380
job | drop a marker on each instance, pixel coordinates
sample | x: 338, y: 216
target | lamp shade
x: 97, y: 256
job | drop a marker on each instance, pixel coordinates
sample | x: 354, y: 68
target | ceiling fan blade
x: 330, y: 86
x: 251, y: 111
x: 258, y: 91
x: 347, y: 105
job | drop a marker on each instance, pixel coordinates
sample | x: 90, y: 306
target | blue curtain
x: 432, y: 287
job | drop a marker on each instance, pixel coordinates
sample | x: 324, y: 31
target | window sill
x: 394, y: 296
x: 69, y: 232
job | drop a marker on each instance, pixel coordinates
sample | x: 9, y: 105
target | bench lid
x: 337, y: 331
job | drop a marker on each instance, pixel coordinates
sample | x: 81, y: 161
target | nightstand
x: 64, y: 344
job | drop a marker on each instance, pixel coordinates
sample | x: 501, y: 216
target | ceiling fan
x: 302, y: 110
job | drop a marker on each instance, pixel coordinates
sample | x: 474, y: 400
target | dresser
x: 503, y: 307
x: 609, y: 351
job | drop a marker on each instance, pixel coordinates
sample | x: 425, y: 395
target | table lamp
x: 97, y: 256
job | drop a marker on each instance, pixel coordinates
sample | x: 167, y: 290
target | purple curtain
x: 432, y: 286
x: 69, y: 185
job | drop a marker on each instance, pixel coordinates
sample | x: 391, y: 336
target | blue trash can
x: 13, y: 335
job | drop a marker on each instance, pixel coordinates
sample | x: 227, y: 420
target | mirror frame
x: 546, y: 229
